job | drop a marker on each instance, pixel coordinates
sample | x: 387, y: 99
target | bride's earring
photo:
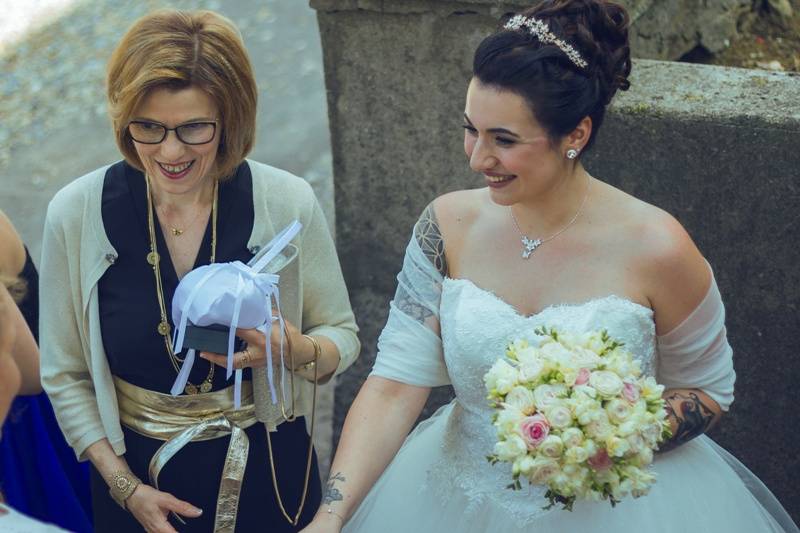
x: 572, y: 153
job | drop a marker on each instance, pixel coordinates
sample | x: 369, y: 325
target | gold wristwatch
x: 121, y: 485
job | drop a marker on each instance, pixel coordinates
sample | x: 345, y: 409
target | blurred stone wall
x: 715, y: 146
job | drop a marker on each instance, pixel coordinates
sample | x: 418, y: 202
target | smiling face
x: 174, y: 166
x: 506, y: 144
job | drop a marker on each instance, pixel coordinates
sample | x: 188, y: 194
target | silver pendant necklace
x: 530, y: 245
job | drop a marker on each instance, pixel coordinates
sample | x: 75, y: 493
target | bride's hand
x: 255, y: 355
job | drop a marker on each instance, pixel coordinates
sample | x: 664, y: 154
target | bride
x: 543, y: 244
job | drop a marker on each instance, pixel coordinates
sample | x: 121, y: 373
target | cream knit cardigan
x: 76, y: 252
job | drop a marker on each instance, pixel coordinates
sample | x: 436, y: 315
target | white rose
x: 629, y: 427
x: 542, y: 469
x: 600, y: 428
x: 576, y: 454
x: 606, y: 383
x: 651, y: 434
x: 511, y: 448
x: 545, y: 395
x: 508, y: 420
x: 501, y: 378
x: 531, y: 369
x: 556, y: 352
x: 584, y: 358
x: 572, y: 437
x: 552, y: 446
x: 617, y: 447
x: 522, y: 465
x: 584, y: 391
x: 636, y: 443
x: 521, y: 398
x: 618, y: 410
x: 558, y: 415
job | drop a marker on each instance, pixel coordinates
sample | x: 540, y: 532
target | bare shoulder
x: 674, y: 274
x: 446, y: 219
x: 12, y: 251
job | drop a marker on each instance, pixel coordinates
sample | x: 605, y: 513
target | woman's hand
x: 324, y: 523
x: 151, y: 508
x: 255, y: 355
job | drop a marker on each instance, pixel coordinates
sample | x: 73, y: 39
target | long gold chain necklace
x: 296, y: 519
x: 154, y: 259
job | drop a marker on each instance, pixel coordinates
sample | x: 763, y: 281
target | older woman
x: 117, y: 241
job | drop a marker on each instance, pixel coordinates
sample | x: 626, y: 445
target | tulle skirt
x: 700, y: 488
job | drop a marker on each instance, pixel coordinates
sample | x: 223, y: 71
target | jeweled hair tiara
x: 542, y: 32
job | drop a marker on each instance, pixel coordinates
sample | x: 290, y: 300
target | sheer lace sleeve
x: 410, y: 348
x: 696, y: 354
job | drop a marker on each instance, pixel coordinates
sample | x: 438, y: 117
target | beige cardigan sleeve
x: 326, y: 304
x: 64, y: 367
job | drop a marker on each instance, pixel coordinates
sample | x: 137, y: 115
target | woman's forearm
x: 690, y: 412
x: 327, y: 363
x: 105, y: 460
x: 376, y: 426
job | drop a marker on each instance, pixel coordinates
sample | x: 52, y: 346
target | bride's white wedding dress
x: 440, y: 481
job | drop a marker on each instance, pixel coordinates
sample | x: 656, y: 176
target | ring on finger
x: 245, y: 357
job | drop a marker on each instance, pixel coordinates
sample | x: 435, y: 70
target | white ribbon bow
x: 234, y: 295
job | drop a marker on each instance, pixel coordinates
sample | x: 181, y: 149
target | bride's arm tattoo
x: 691, y: 417
x: 429, y: 237
x: 332, y: 494
x: 430, y: 241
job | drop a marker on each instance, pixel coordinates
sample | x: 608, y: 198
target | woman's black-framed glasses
x: 146, y: 132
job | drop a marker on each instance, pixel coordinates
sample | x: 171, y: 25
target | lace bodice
x: 476, y: 325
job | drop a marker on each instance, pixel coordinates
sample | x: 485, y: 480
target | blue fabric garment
x: 39, y: 475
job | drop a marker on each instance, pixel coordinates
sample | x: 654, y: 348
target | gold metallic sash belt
x: 179, y: 420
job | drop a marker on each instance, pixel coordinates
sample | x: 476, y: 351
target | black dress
x: 129, y: 314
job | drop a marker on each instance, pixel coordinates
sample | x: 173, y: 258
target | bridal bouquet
x: 575, y: 414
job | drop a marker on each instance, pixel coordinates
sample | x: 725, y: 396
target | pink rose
x: 630, y: 391
x: 534, y: 430
x: 600, y: 460
x: 583, y: 376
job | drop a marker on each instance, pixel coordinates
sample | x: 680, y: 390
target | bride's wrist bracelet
x: 329, y: 511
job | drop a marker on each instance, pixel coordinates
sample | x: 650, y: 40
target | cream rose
x: 501, y: 378
x: 618, y: 410
x: 558, y: 414
x: 606, y: 383
x: 552, y: 446
x: 542, y: 469
x: 572, y: 437
x: 511, y: 448
x: 521, y: 398
x: 545, y: 395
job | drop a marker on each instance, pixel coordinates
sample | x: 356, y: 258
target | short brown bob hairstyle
x: 177, y: 50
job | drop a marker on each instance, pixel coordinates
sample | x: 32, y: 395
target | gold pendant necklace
x: 154, y: 259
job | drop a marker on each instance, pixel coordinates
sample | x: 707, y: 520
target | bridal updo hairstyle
x: 559, y: 92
